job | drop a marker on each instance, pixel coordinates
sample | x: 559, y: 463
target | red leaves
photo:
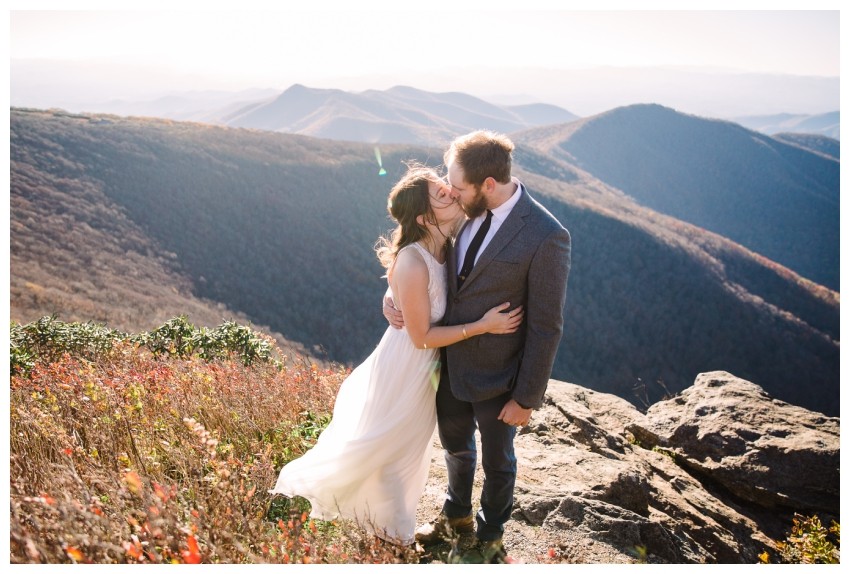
x: 193, y: 554
x: 134, y: 549
x: 75, y: 554
x: 43, y: 499
x: 160, y: 492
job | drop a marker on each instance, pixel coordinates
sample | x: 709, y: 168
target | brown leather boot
x: 443, y: 528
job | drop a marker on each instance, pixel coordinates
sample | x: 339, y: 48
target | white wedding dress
x: 371, y: 463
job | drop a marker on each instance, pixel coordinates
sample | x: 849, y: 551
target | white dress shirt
x: 500, y: 214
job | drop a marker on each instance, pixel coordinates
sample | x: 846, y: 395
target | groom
x: 510, y: 249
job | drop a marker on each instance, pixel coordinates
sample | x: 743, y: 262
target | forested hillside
x: 76, y: 253
x: 281, y: 228
x: 819, y: 144
x: 652, y: 298
x: 779, y: 200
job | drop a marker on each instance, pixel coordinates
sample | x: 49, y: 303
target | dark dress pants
x: 456, y: 421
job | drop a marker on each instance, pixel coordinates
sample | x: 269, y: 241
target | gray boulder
x: 761, y: 449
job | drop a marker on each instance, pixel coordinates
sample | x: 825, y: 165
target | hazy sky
x: 260, y: 48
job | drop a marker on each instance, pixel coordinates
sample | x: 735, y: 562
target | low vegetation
x: 48, y: 339
x: 160, y: 448
x: 810, y: 542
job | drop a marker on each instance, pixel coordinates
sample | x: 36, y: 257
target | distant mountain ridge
x: 779, y: 200
x: 80, y: 86
x: 399, y: 115
x: 280, y: 227
x: 185, y: 106
x: 412, y: 115
x: 828, y: 124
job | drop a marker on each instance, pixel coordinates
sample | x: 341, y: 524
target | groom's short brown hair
x: 482, y: 154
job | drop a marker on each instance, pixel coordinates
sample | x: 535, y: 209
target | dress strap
x: 430, y: 261
x: 419, y: 248
x: 415, y: 247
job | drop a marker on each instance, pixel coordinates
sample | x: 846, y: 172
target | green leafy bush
x: 48, y: 339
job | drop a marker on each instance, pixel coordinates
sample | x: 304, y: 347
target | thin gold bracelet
x: 465, y: 336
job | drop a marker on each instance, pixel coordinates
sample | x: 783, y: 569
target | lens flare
x: 380, y: 164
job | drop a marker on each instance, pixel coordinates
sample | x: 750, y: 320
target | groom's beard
x: 476, y: 206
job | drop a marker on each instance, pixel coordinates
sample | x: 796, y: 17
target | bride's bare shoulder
x: 409, y: 265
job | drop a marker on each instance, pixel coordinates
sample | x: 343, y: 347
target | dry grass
x: 132, y: 458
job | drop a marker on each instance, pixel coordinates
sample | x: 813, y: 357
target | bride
x: 371, y: 463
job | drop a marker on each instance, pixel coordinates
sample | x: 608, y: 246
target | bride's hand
x: 498, y: 322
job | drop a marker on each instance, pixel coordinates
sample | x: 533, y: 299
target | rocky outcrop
x: 760, y: 449
x: 709, y: 476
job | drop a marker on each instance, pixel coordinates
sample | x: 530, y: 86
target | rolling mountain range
x: 85, y: 86
x: 828, y: 124
x: 398, y: 115
x: 771, y: 197
x: 280, y: 227
x: 200, y: 106
x: 692, y: 168
x: 400, y: 112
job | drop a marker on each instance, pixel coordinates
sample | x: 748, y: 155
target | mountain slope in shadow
x: 779, y: 200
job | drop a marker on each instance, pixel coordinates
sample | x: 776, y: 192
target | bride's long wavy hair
x: 408, y: 199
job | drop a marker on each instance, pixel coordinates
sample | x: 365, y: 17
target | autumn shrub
x: 810, y: 542
x: 133, y: 456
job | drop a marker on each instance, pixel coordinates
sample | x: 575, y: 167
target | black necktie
x: 472, y: 250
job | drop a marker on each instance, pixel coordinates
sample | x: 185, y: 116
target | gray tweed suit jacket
x: 527, y: 263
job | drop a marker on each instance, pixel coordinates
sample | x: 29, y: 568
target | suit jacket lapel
x: 508, y: 230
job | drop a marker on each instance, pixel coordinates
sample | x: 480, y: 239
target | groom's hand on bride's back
x: 392, y: 314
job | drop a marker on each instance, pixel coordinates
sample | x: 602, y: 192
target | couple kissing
x: 477, y: 272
